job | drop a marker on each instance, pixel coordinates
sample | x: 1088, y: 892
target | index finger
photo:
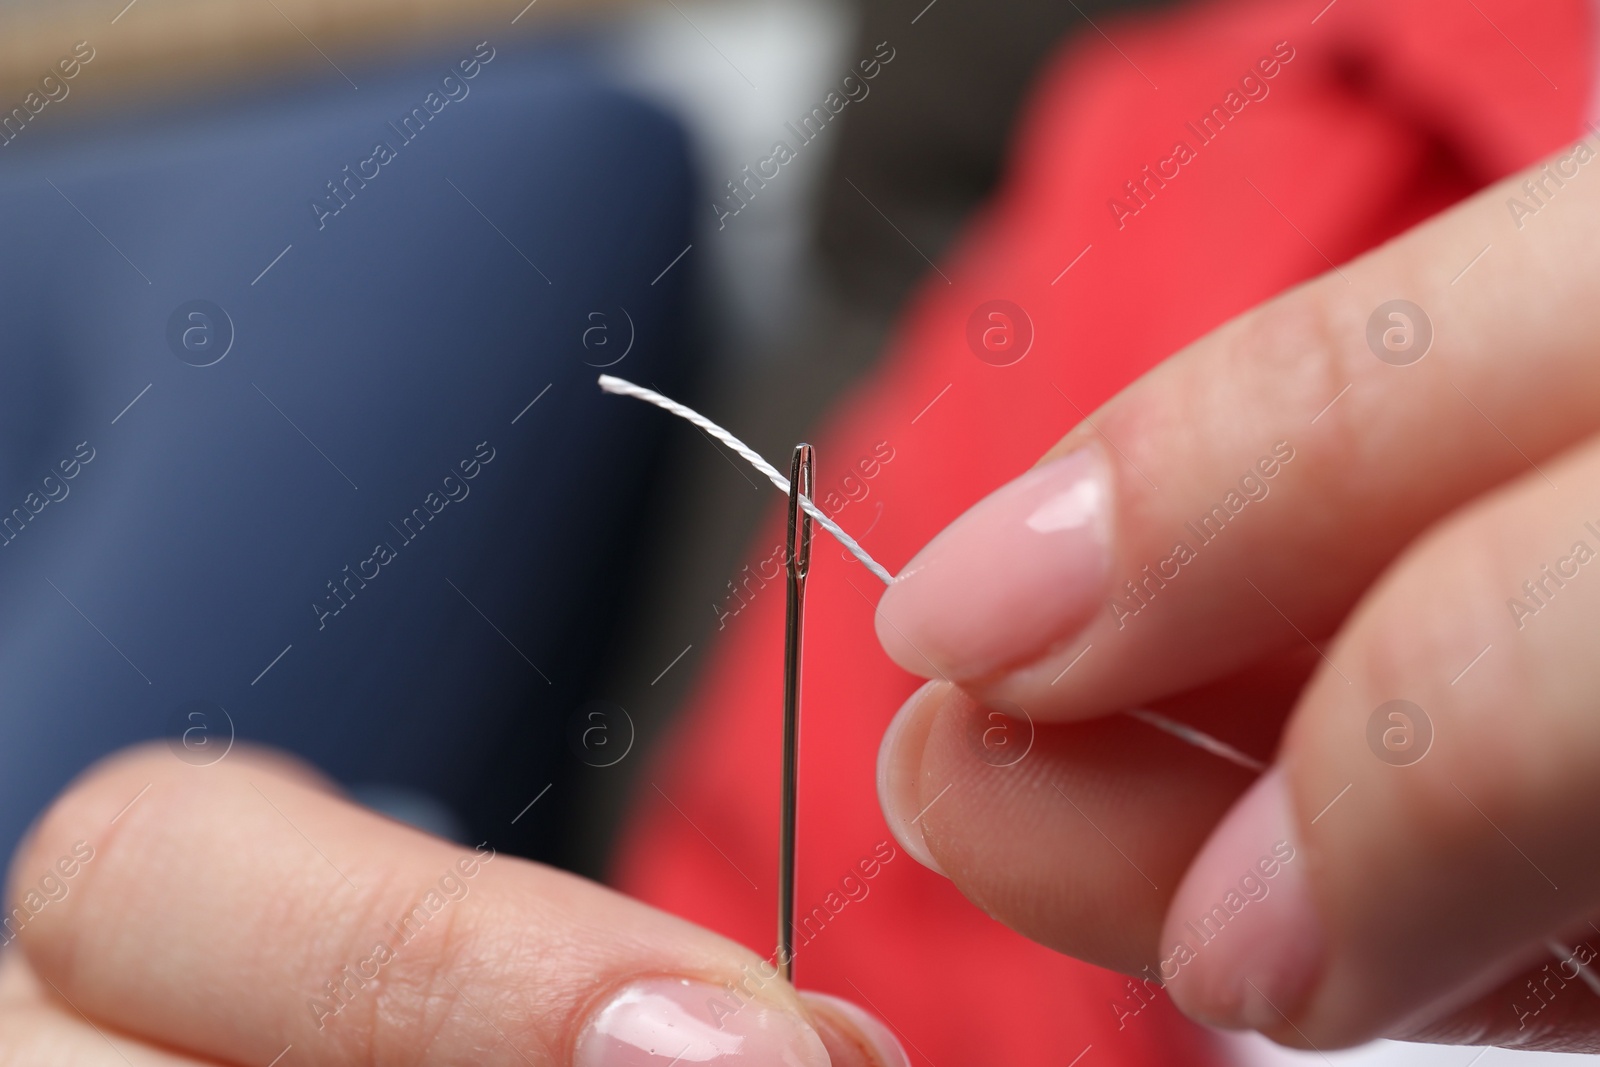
x: 236, y: 912
x: 1238, y: 499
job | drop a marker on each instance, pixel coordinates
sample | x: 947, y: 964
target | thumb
x: 230, y: 910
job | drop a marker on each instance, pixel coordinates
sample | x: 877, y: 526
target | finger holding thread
x: 1223, y: 506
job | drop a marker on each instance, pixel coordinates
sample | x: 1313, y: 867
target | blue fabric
x: 382, y: 359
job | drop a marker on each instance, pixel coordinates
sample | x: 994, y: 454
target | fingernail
x: 655, y: 1022
x: 1022, y: 570
x: 1243, y: 944
x: 900, y: 771
x: 852, y: 1037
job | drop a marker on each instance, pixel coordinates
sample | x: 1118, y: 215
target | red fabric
x: 1389, y: 111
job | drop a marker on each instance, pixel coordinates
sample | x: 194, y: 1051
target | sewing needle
x: 801, y: 476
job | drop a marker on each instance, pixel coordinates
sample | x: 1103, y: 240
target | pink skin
x: 879, y: 1039
x: 654, y: 1022
x: 1255, y: 961
x: 1017, y: 575
x: 1021, y: 571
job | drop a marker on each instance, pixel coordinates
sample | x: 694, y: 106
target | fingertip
x: 1243, y: 944
x: 908, y: 655
x: 900, y: 770
x: 1016, y: 574
x: 853, y: 1037
x: 662, y: 1020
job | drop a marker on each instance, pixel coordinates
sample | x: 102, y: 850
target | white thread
x: 1198, y: 738
x: 1562, y: 953
x: 623, y: 387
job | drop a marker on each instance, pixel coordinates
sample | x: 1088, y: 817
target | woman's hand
x: 1298, y: 521
x: 241, y: 913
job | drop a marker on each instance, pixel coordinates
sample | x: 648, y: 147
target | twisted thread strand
x: 623, y: 387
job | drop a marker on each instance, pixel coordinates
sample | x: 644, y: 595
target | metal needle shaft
x: 801, y: 479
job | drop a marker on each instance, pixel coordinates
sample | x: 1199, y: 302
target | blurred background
x: 557, y: 214
x: 213, y: 131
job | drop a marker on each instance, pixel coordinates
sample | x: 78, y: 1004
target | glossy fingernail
x: 852, y: 1037
x: 1243, y: 944
x: 900, y: 771
x: 659, y: 1021
x: 1021, y: 571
